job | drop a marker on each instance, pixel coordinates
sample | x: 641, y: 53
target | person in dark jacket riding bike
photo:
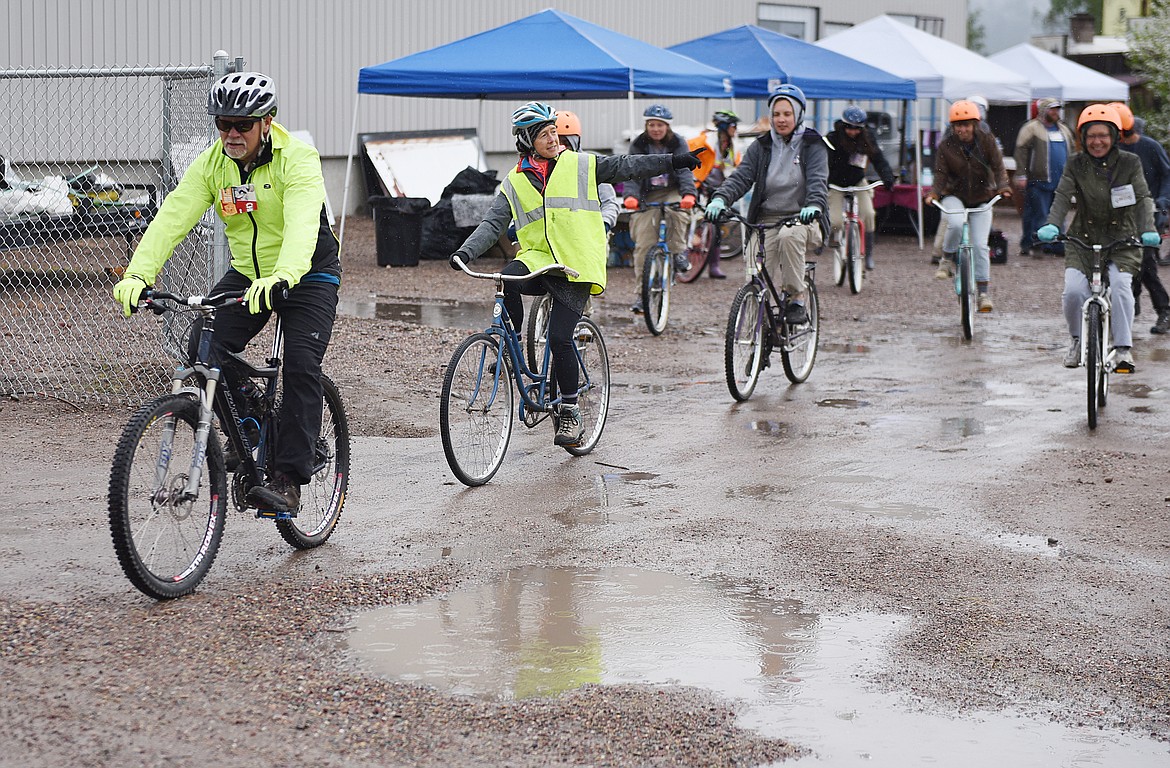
x: 853, y: 148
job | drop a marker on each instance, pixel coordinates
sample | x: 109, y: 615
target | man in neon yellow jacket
x: 552, y: 196
x: 268, y: 189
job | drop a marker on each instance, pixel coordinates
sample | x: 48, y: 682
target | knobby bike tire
x: 536, y: 332
x: 594, y: 383
x: 699, y: 247
x: 799, y: 351
x: 657, y: 272
x: 476, y: 410
x: 856, y: 258
x: 966, y: 288
x: 1094, y: 361
x: 323, y: 497
x: 164, y: 544
x: 744, y: 342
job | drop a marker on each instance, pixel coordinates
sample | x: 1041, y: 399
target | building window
x: 930, y: 24
x: 793, y: 20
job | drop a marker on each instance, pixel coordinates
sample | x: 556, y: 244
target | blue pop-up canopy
x: 547, y: 55
x: 760, y: 59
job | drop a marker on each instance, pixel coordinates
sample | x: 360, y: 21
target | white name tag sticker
x: 1058, y: 136
x: 1123, y: 196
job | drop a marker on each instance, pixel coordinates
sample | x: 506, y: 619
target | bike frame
x: 538, y: 383
x: 774, y: 301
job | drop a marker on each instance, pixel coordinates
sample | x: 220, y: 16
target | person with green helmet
x: 552, y: 196
x: 268, y: 189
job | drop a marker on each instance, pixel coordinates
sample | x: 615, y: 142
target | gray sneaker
x: 570, y: 430
x: 1072, y: 358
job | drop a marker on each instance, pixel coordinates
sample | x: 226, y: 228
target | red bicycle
x: 849, y: 255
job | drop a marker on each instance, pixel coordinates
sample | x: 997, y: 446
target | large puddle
x: 468, y: 315
x: 798, y: 675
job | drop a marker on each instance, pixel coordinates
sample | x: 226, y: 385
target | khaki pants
x: 644, y: 227
x: 786, y: 248
x: 837, y: 210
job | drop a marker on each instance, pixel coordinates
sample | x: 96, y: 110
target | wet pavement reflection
x: 462, y: 315
x: 796, y: 675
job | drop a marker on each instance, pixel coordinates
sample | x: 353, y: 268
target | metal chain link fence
x: 87, y: 157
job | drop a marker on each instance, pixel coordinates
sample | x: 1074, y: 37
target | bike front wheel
x: 965, y: 284
x: 475, y: 409
x: 743, y: 343
x: 1094, y: 362
x: 855, y: 259
x: 699, y: 246
x: 800, y: 348
x: 165, y: 537
x: 657, y: 272
x: 593, y: 396
x: 324, y: 495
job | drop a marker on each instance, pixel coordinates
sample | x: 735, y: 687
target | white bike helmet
x: 242, y: 94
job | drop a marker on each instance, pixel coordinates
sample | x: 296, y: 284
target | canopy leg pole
x: 918, y: 169
x: 348, y: 168
x: 630, y: 102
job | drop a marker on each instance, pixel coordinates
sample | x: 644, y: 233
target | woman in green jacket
x: 1113, y: 202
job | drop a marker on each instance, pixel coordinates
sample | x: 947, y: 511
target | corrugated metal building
x: 314, y: 49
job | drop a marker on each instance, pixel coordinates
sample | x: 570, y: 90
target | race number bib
x: 859, y: 160
x: 235, y: 200
x: 1123, y: 196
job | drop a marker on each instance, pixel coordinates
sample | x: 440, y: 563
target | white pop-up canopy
x: 940, y: 69
x: 1060, y: 78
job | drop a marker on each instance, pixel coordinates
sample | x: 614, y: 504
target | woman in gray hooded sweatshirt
x: 788, y: 172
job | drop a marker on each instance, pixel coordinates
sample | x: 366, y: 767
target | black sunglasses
x: 241, y: 126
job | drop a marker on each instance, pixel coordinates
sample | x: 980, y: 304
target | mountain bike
x: 169, y: 482
x: 849, y: 255
x: 658, y: 272
x: 487, y: 372
x: 757, y: 324
x: 965, y: 268
x: 1096, y: 331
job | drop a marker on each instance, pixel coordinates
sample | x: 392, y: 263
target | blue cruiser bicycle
x: 489, y: 383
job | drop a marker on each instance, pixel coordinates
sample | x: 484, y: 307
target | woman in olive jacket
x: 1113, y: 202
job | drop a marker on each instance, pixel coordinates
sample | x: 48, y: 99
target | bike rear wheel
x: 593, y: 397
x: 324, y: 495
x: 165, y: 541
x: 536, y: 334
x: 1094, y: 362
x: 965, y: 283
x: 699, y: 246
x: 856, y: 259
x: 657, y: 273
x: 799, y: 352
x: 744, y: 342
x: 476, y: 409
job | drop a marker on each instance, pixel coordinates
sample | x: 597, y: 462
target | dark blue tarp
x: 544, y: 56
x: 759, y: 60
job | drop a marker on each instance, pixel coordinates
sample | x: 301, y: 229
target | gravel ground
x: 94, y: 674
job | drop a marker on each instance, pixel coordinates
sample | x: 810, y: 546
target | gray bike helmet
x: 242, y: 94
x: 854, y: 116
x: 658, y: 112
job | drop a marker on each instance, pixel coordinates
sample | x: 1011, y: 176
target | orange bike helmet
x: 1124, y: 113
x: 1099, y: 113
x: 568, y: 124
x: 963, y: 110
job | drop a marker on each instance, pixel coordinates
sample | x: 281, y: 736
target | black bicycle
x: 169, y: 482
x: 757, y: 324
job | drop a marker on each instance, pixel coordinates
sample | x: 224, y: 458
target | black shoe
x: 637, y: 308
x: 795, y: 314
x: 280, y: 493
x: 1137, y: 305
x: 1163, y: 324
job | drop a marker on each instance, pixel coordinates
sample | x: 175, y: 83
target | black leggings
x: 561, y: 322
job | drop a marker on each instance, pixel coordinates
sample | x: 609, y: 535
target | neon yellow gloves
x: 258, y: 297
x: 128, y: 291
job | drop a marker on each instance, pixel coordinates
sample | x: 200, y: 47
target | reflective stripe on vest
x: 577, y: 234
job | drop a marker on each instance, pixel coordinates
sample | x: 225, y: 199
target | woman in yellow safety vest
x: 552, y: 196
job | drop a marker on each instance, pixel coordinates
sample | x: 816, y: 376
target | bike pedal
x: 274, y: 514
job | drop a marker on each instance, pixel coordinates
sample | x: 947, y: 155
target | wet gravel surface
x: 253, y: 669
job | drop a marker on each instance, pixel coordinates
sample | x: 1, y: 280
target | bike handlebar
x: 978, y: 209
x: 673, y: 206
x: 151, y: 296
x: 867, y: 187
x: 788, y: 221
x: 519, y: 278
x: 1129, y: 240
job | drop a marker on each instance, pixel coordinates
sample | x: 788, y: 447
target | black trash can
x: 398, y: 223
